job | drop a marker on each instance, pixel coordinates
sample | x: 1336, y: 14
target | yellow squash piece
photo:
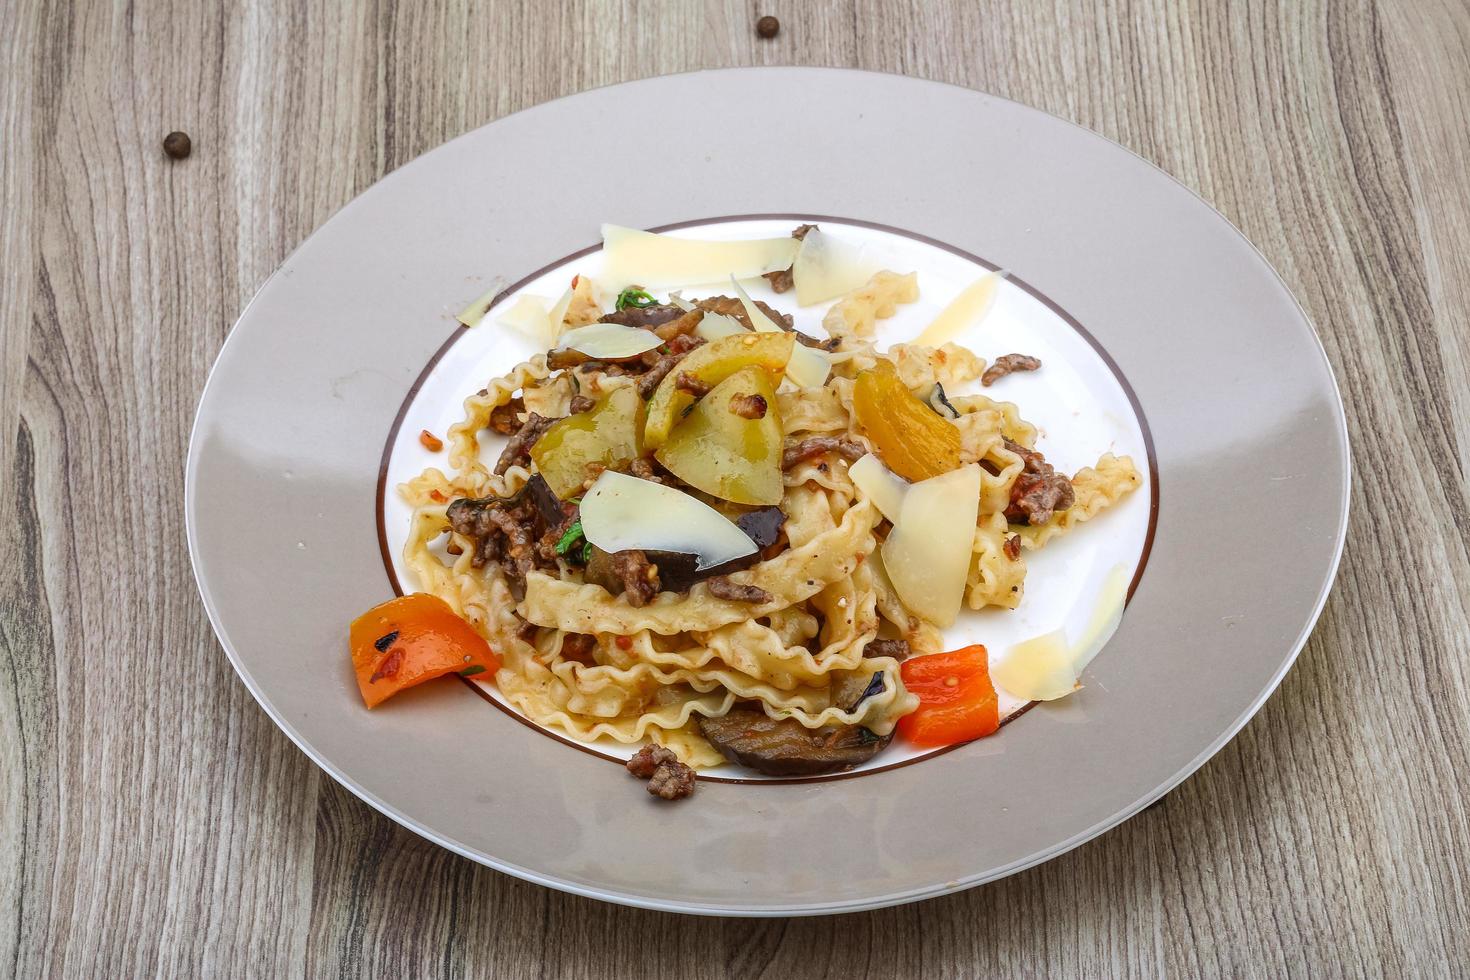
x: 910, y: 437
x: 609, y: 433
x: 710, y: 365
x: 723, y: 452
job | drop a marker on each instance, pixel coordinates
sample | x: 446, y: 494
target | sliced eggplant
x: 599, y: 571
x: 677, y: 571
x: 646, y: 317
x: 547, y: 505
x: 763, y: 526
x: 747, y: 736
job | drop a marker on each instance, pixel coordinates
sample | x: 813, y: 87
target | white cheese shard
x: 1107, y: 615
x: 927, y: 553
x: 622, y: 512
x: 557, y: 318
x: 885, y: 488
x: 827, y: 267
x: 807, y: 368
x: 655, y: 261
x: 965, y: 311
x: 474, y: 314
x: 531, y: 316
x: 610, y: 341
x: 713, y: 326
x: 1046, y: 667
x: 1038, y: 669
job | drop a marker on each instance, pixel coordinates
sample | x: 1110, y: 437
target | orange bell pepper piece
x: 412, y: 639
x: 909, y: 436
x: 957, y: 702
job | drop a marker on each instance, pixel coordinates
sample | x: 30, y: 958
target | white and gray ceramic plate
x: 1165, y: 335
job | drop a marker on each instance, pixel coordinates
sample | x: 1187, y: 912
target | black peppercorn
x: 767, y: 26
x: 177, y: 145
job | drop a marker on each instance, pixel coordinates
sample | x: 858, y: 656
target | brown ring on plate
x: 459, y: 331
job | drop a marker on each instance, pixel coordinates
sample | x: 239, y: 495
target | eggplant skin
x: 747, y: 736
x: 547, y: 505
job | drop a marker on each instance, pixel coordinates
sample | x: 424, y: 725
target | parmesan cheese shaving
x: 557, y: 318
x: 1106, y: 617
x: 885, y: 488
x: 529, y: 316
x: 473, y: 314
x: 610, y: 341
x: 713, y: 326
x: 655, y: 261
x: 1046, y: 667
x: 1039, y: 669
x: 807, y: 368
x: 927, y: 553
x: 621, y: 512
x: 966, y: 310
x: 827, y: 267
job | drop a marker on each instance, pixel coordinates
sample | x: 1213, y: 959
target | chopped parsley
x: 573, y: 543
x: 472, y: 671
x: 569, y: 539
x: 636, y: 298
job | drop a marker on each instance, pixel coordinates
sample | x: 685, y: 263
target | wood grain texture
x: 153, y: 820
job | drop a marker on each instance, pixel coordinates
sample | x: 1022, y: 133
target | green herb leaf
x: 586, y: 552
x: 635, y: 297
x: 472, y: 671
x: 569, y: 540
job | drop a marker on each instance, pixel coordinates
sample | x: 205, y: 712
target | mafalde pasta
x: 674, y: 545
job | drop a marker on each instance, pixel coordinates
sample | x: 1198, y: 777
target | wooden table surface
x: 154, y: 821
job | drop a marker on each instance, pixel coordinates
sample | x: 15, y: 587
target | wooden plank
x: 152, y: 820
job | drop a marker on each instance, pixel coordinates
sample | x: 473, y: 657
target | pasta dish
x: 688, y: 527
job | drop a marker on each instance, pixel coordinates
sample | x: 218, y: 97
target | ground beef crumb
x: 505, y: 531
x: 578, y: 647
x: 897, y: 649
x: 517, y: 452
x: 748, y: 406
x: 1039, y: 492
x: 808, y: 449
x: 638, y: 575
x: 581, y: 403
x: 722, y: 588
x: 1007, y: 363
x: 668, y: 778
x: 506, y: 419
x: 1012, y: 547
x: 688, y: 382
x: 678, y: 348
x: 645, y: 469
